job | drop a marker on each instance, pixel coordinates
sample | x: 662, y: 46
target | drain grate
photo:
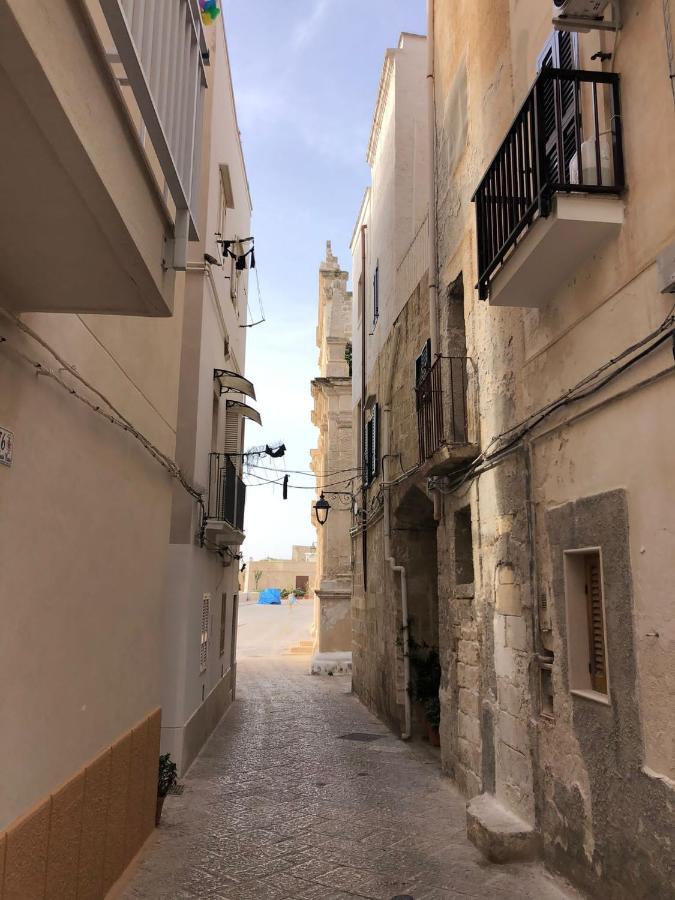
x: 360, y: 736
x: 176, y: 789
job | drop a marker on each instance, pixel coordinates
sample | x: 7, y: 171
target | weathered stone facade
x: 583, y: 774
x: 331, y: 393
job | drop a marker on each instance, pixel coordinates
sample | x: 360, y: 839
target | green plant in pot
x: 166, y: 779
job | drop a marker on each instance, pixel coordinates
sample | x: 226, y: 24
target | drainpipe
x: 364, y: 479
x: 431, y: 134
x: 406, y: 734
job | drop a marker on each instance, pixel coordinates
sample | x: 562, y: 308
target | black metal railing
x: 442, y: 407
x: 227, y: 491
x: 566, y: 137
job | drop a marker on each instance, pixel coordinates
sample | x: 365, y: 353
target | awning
x: 243, y: 409
x: 233, y: 381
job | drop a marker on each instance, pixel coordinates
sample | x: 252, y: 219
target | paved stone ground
x: 285, y: 802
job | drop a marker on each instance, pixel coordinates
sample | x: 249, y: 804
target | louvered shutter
x: 232, y: 426
x: 597, y: 664
x: 560, y: 52
x: 204, y: 642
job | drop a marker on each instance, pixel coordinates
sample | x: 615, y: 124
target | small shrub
x: 167, y: 776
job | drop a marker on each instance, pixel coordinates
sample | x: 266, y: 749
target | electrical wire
x: 115, y: 417
x: 487, y: 461
x: 298, y: 487
x: 355, y: 469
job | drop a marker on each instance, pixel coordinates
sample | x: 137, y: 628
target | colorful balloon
x: 210, y: 11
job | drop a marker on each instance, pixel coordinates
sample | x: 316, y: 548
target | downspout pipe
x: 397, y: 569
x: 431, y: 171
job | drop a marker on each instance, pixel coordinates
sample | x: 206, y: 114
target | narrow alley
x: 302, y: 793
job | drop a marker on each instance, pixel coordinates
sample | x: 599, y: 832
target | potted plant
x: 426, y: 682
x: 432, y: 711
x: 166, y: 779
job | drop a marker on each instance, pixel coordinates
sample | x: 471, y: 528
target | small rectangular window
x: 463, y: 547
x: 204, y: 643
x: 423, y: 364
x: 586, y: 638
x: 223, y: 622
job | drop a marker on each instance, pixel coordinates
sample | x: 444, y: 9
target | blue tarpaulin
x: 270, y: 596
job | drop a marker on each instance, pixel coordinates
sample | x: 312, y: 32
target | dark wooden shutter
x: 376, y: 440
x: 223, y: 619
x: 371, y: 448
x: 376, y: 293
x: 560, y: 104
x: 597, y: 664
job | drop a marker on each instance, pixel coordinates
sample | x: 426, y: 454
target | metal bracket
x: 572, y: 23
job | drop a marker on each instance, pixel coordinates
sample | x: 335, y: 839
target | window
x: 223, y: 622
x: 376, y: 293
x: 586, y: 640
x: 423, y: 364
x: 371, y: 447
x: 215, y: 417
x: 302, y: 583
x: 233, y: 636
x: 463, y: 547
x: 204, y: 644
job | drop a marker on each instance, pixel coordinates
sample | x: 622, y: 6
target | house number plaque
x: 6, y: 446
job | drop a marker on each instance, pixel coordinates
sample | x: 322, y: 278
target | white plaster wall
x: 212, y: 318
x: 397, y: 202
x: 84, y: 515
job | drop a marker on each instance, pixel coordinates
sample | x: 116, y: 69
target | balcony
x: 102, y: 121
x: 550, y: 197
x: 446, y: 415
x: 226, y: 502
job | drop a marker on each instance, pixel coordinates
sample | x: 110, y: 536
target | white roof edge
x: 364, y: 202
x: 234, y: 110
x: 382, y: 93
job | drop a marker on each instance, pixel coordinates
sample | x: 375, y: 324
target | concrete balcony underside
x: 83, y: 227
x: 446, y: 459
x: 550, y: 252
x: 223, y: 533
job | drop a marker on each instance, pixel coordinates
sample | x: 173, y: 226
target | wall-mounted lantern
x: 321, y: 509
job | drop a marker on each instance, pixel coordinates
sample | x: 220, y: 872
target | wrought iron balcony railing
x: 566, y: 137
x: 443, y: 410
x: 227, y: 492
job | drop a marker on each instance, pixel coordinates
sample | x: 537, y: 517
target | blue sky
x: 305, y: 74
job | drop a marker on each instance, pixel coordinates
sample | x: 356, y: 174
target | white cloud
x: 307, y: 29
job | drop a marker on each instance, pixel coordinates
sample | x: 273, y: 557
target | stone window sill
x: 592, y: 695
x: 464, y: 592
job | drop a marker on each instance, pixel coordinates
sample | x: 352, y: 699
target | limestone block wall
x: 595, y: 778
x: 78, y: 840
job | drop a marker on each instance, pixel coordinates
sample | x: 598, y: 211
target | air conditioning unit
x: 586, y: 15
x: 580, y: 9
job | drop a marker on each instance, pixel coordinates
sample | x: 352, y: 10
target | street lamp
x: 321, y: 509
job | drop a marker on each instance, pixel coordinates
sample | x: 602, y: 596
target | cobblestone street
x: 301, y: 793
